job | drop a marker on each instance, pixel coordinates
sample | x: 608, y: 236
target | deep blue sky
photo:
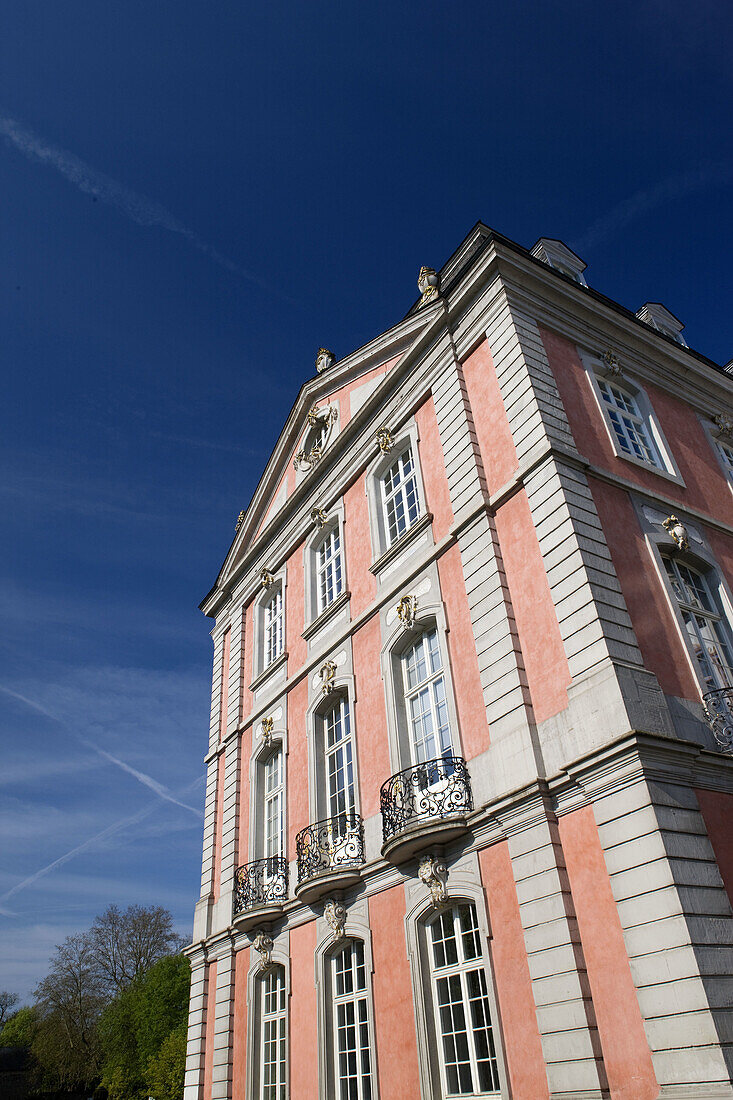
x: 257, y: 180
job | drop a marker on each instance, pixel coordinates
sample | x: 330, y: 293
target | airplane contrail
x: 641, y: 202
x: 138, y: 208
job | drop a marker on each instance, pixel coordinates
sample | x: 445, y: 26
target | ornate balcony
x: 330, y: 855
x: 260, y: 890
x: 425, y: 805
x: 719, y: 713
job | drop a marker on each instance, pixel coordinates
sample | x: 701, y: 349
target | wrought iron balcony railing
x: 718, y: 706
x: 434, y: 790
x: 261, y: 883
x: 328, y: 846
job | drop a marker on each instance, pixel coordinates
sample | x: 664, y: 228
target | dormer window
x: 558, y: 256
x: 656, y: 316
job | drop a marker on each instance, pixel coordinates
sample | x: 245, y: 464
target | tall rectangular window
x: 726, y: 454
x: 708, y: 636
x: 425, y: 699
x: 465, y: 1033
x: 628, y: 423
x: 401, y: 498
x: 338, y: 752
x: 274, y: 806
x: 273, y: 1065
x: 352, y: 1055
x: 329, y: 569
x: 273, y: 627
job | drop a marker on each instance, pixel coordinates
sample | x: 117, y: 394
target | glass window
x: 400, y: 495
x: 273, y: 626
x: 329, y: 570
x: 628, y: 424
x: 338, y: 751
x: 352, y: 1055
x: 726, y: 454
x: 425, y: 700
x: 273, y: 1083
x: 465, y: 1033
x: 274, y: 806
x: 708, y: 635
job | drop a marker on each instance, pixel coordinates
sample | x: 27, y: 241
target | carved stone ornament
x: 611, y: 364
x: 434, y: 873
x: 334, y: 915
x: 240, y: 521
x: 406, y: 611
x: 678, y: 532
x: 324, y: 359
x: 314, y: 415
x: 328, y: 675
x: 385, y: 440
x: 428, y: 283
x: 266, y: 578
x: 724, y: 423
x: 268, y: 725
x: 319, y: 517
x: 262, y: 944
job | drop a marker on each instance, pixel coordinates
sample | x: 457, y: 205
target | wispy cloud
x: 146, y: 780
x: 641, y: 202
x: 138, y: 208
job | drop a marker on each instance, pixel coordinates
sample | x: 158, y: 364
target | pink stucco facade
x: 461, y: 697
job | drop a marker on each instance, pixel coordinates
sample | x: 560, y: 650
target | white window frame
x: 359, y: 999
x: 718, y: 441
x: 277, y: 1089
x: 261, y: 753
x: 597, y: 370
x: 460, y: 970
x: 401, y: 498
x: 315, y: 611
x: 431, y: 614
x: 261, y: 666
x: 418, y: 915
x: 426, y: 687
x: 716, y: 590
x: 255, y: 1031
x: 382, y: 544
x: 273, y: 626
x: 341, y: 756
x: 356, y: 928
x: 273, y: 799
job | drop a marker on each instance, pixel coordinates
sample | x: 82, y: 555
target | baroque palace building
x: 469, y: 777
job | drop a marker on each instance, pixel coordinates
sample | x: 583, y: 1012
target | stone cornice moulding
x: 394, y: 398
x: 468, y: 308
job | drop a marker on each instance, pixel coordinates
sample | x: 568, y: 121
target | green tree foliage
x: 166, y: 1069
x: 136, y: 1026
x: 20, y: 1029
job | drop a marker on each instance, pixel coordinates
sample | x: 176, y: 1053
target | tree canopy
x: 112, y: 1009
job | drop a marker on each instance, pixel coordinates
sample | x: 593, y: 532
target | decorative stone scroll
x: 407, y: 611
x: 434, y: 873
x: 611, y: 364
x: 328, y: 675
x: 428, y: 283
x: 240, y: 521
x: 677, y: 531
x: 335, y: 916
x: 385, y: 440
x: 262, y: 944
x: 319, y: 517
x: 266, y: 578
